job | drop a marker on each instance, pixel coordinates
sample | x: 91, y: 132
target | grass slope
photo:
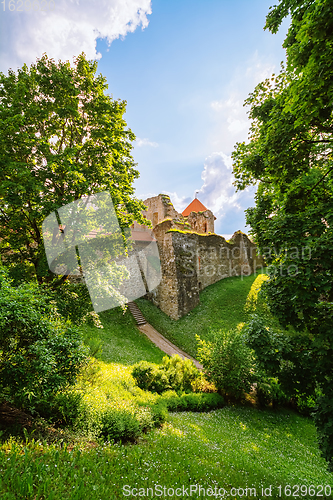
x: 221, y: 307
x: 235, y: 447
x: 229, y: 448
x: 120, y: 341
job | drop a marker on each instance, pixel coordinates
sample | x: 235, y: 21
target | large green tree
x: 289, y: 156
x: 61, y: 138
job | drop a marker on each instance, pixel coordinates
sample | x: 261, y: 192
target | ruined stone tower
x: 192, y: 255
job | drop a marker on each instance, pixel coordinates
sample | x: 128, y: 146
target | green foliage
x: 194, y: 401
x: 39, y: 355
x: 124, y: 422
x: 228, y: 362
x: 62, y: 137
x: 269, y: 391
x: 221, y: 307
x: 72, y: 301
x: 234, y: 446
x: 323, y: 419
x: 285, y: 356
x: 92, y: 319
x: 252, y: 300
x: 290, y: 154
x: 174, y: 373
x: 63, y: 408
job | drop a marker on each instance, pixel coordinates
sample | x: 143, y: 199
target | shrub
x: 306, y: 404
x: 269, y: 391
x: 228, y: 362
x: 180, y: 372
x: 192, y: 401
x: 150, y: 377
x: 40, y: 355
x: 174, y: 373
x: 63, y: 408
x: 159, y: 412
x: 283, y: 355
x: 323, y: 418
x: 254, y: 301
x: 120, y: 422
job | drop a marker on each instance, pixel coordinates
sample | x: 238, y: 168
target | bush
x: 192, y: 401
x: 306, y: 404
x: 120, y: 422
x: 283, y: 355
x: 159, y: 412
x: 254, y: 301
x: 269, y: 391
x: 228, y: 362
x: 174, y: 373
x: 40, y: 355
x: 63, y: 408
x: 323, y: 418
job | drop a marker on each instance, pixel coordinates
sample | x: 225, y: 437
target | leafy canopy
x: 289, y: 156
x: 61, y: 137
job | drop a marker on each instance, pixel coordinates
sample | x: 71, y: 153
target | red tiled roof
x: 194, y: 206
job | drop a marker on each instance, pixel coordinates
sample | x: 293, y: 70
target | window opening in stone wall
x: 205, y: 227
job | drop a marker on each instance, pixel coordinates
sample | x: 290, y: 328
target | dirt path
x: 164, y: 344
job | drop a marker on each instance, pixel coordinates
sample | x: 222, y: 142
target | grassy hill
x: 239, y: 449
x: 221, y: 307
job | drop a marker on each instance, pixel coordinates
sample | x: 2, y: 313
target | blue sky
x: 184, y: 67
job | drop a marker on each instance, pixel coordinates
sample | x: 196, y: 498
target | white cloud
x: 145, y: 142
x: 72, y: 27
x: 230, y: 116
x: 179, y: 202
x: 233, y: 112
x: 219, y: 195
x: 257, y: 70
x: 217, y: 189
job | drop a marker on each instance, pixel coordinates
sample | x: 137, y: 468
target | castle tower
x: 199, y: 217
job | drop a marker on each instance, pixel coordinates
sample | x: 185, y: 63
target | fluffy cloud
x: 145, y: 142
x: 72, y: 27
x: 233, y: 112
x: 179, y: 202
x: 219, y: 195
x: 230, y: 117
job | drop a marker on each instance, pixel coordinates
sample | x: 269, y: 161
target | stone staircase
x: 137, y: 314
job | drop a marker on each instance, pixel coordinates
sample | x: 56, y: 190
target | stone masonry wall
x: 191, y: 262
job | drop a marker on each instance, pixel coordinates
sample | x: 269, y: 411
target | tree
x: 61, y: 138
x: 289, y: 155
x: 41, y: 354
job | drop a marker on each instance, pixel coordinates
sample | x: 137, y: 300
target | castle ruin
x: 192, y: 256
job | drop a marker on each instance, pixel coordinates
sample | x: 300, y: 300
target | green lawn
x: 221, y: 307
x: 120, y: 341
x: 228, y: 448
x: 235, y: 447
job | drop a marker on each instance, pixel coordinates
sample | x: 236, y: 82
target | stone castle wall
x: 190, y: 262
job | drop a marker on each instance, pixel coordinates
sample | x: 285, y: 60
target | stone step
x: 137, y: 314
